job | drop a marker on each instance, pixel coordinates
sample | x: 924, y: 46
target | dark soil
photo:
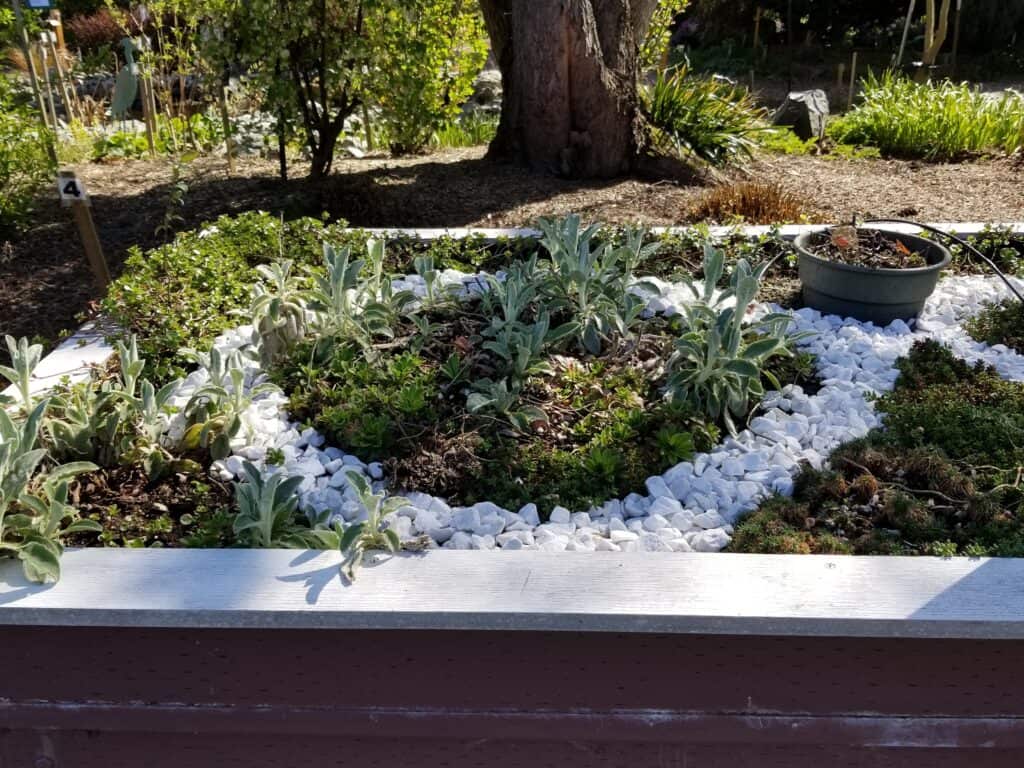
x: 180, y: 510
x: 865, y: 248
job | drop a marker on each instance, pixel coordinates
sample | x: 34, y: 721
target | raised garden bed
x: 708, y: 480
x: 716, y: 658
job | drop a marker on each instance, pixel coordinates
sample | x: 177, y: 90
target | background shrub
x: 430, y: 52
x: 25, y: 164
x: 936, y: 121
x: 92, y: 31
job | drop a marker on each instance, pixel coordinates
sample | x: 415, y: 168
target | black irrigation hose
x: 955, y: 239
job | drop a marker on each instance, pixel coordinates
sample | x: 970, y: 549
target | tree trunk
x: 935, y: 30
x: 569, y: 83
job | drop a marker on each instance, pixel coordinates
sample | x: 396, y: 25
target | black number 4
x: 71, y: 188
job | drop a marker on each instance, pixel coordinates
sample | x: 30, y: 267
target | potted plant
x: 869, y: 274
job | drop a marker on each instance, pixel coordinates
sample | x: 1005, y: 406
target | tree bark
x: 569, y: 68
x: 934, y: 36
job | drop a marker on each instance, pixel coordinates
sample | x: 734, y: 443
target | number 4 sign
x: 71, y: 190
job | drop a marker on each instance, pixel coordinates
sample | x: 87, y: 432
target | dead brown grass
x: 753, y: 202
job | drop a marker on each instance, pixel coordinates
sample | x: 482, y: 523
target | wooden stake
x: 73, y: 195
x: 853, y: 80
x: 65, y: 92
x: 58, y: 28
x: 147, y: 113
x: 906, y: 29
x: 229, y: 145
x: 23, y: 42
x: 840, y: 76
x: 757, y: 28
x: 49, y: 87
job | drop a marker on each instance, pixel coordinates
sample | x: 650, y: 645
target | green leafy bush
x: 936, y: 121
x: 706, y: 118
x: 25, y: 163
x: 430, y: 52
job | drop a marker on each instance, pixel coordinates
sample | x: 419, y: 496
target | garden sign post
x: 73, y: 195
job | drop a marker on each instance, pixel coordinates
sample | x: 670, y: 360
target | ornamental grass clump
x: 709, y: 119
x: 934, y: 121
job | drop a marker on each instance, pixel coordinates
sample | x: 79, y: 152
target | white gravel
x: 693, y: 505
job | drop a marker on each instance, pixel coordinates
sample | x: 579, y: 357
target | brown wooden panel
x: 94, y: 696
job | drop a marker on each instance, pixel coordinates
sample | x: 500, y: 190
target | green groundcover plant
x: 943, y: 477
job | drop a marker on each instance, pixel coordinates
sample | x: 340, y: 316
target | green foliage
x: 655, y: 46
x: 943, y: 477
x: 214, y: 412
x: 183, y: 294
x: 703, y: 118
x: 1001, y: 244
x: 783, y: 141
x: 361, y: 406
x: 591, y: 281
x: 115, y: 421
x: 268, y: 512
x: 360, y: 538
x: 25, y: 163
x: 935, y: 121
x: 199, y: 132
x: 719, y: 363
x: 427, y: 54
x: 968, y: 412
x: 472, y: 130
x: 24, y: 359
x: 318, y: 62
x: 1000, y: 323
x: 34, y: 509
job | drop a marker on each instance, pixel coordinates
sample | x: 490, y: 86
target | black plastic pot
x: 867, y: 294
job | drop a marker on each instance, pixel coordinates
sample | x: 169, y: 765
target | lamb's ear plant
x: 592, y: 281
x: 115, y: 421
x: 278, y: 309
x: 718, y: 364
x: 424, y: 266
x: 214, y: 412
x: 371, y: 534
x: 267, y: 511
x: 32, y: 520
x: 24, y: 359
